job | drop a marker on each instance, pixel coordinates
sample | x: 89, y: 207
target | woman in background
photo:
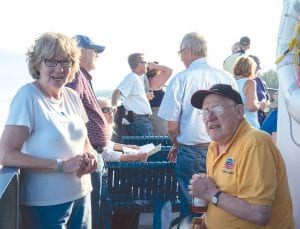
x: 114, y: 152
x: 261, y: 89
x: 244, y: 73
x: 45, y: 136
x: 157, y: 76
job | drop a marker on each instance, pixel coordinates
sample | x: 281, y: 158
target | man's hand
x: 173, y: 153
x: 202, y: 186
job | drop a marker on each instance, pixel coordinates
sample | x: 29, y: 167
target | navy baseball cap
x: 87, y: 43
x: 245, y: 41
x: 219, y: 89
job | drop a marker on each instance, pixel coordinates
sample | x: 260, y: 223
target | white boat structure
x: 288, y: 69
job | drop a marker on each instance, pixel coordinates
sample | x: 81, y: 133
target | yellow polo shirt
x: 251, y: 168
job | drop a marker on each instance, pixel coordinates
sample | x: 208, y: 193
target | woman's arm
x: 135, y: 157
x: 161, y: 78
x: 12, y: 140
x: 252, y: 103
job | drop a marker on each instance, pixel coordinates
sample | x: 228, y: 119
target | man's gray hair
x: 134, y: 59
x: 196, y: 42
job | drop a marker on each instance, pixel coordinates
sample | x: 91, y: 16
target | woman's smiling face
x: 55, y: 77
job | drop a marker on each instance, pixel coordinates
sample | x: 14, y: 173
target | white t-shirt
x: 133, y: 90
x: 56, y: 130
x: 176, y: 104
x: 109, y: 154
x: 230, y: 61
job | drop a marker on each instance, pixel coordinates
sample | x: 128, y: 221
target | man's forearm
x: 173, y: 130
x: 258, y: 214
x: 114, y: 98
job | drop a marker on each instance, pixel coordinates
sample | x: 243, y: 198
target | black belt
x: 131, y: 114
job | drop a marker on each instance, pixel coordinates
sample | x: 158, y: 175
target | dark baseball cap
x: 87, y: 43
x: 245, y: 41
x: 219, y: 89
x: 257, y: 61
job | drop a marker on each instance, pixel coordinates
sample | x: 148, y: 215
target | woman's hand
x: 88, y: 164
x: 72, y: 165
x: 132, y: 146
x: 142, y: 156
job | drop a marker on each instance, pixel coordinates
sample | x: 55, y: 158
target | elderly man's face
x: 221, y: 117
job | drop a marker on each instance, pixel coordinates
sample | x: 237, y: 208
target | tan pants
x: 159, y: 124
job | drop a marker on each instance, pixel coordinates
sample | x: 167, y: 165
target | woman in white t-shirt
x: 45, y: 135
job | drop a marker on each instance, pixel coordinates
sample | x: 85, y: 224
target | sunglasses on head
x: 107, y: 109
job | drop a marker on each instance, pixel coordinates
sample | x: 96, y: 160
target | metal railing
x: 9, y: 198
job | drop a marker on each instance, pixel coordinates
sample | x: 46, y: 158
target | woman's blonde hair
x: 47, y: 46
x: 245, y: 67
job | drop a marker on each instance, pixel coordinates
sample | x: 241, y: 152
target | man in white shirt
x: 244, y: 45
x: 132, y: 91
x: 185, y: 125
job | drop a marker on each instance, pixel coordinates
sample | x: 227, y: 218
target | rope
x: 292, y: 44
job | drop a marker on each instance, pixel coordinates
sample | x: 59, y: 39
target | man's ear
x: 240, y: 109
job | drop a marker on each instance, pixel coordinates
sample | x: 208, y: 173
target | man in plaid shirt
x: 97, y: 126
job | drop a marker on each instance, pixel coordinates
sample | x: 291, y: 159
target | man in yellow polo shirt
x: 246, y: 183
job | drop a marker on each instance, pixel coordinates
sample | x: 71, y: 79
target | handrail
x: 9, y: 198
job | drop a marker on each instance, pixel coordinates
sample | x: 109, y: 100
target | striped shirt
x: 98, y: 130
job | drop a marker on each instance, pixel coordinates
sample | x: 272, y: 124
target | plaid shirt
x: 97, y: 126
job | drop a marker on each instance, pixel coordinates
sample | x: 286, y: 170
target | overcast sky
x: 154, y: 27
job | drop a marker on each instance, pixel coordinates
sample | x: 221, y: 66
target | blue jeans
x: 106, y: 205
x: 96, y: 178
x: 190, y: 160
x: 71, y: 215
x: 162, y: 215
x: 140, y: 126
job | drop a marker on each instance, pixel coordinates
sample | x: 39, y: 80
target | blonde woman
x: 244, y: 71
x: 45, y: 135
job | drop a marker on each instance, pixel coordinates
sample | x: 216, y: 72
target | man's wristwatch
x: 215, y: 198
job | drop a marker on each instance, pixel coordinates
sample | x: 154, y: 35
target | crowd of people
x: 212, y: 116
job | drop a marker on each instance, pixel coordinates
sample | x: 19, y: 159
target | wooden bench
x: 135, y: 186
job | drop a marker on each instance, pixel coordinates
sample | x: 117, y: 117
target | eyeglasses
x: 53, y: 63
x: 107, y: 109
x: 180, y: 51
x: 217, y: 111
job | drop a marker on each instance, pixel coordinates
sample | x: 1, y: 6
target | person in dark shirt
x: 261, y: 89
x: 98, y: 130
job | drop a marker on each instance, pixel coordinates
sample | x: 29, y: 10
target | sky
x: 154, y: 27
